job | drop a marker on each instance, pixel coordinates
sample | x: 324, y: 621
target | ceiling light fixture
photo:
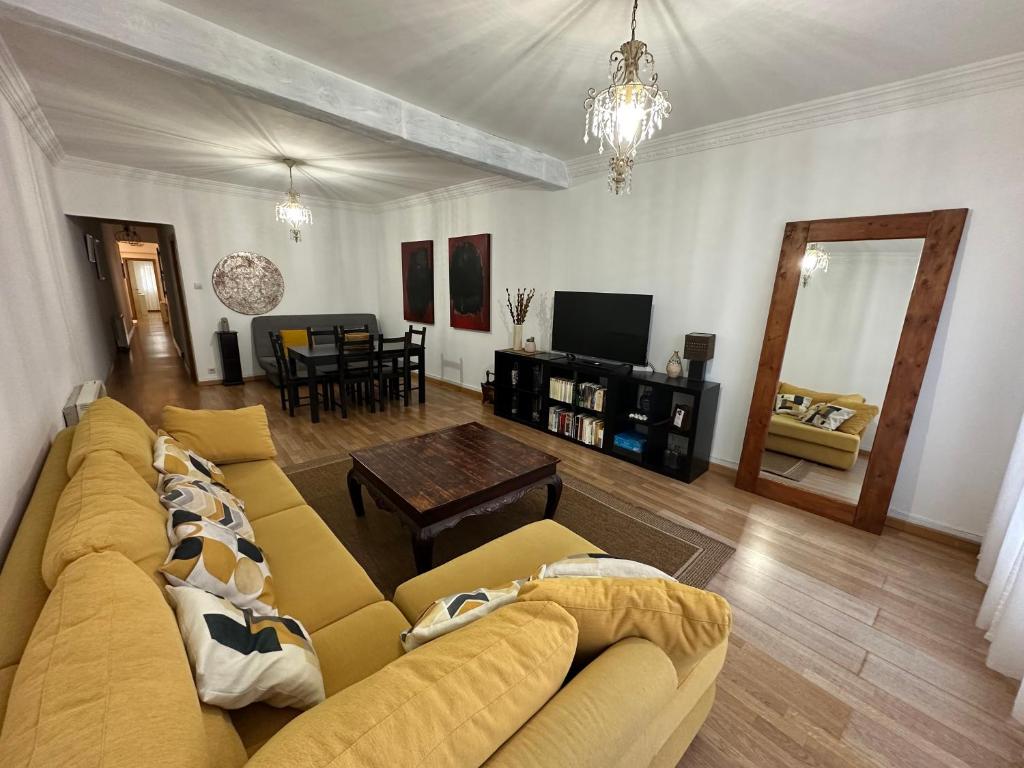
x: 628, y: 111
x: 128, y: 235
x: 291, y: 211
x: 815, y: 260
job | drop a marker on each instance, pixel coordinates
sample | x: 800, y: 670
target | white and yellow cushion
x: 827, y: 416
x: 597, y: 565
x: 792, y: 405
x: 454, y: 611
x: 240, y: 657
x: 211, y: 557
x: 190, y: 500
x: 172, y: 458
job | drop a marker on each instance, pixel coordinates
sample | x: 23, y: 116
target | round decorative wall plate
x: 248, y: 283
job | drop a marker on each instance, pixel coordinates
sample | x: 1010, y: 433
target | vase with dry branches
x: 517, y: 310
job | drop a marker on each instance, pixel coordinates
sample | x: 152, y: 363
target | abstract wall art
x: 469, y: 281
x: 248, y: 283
x: 418, y: 281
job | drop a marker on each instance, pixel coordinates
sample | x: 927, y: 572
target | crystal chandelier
x: 129, y: 236
x: 291, y: 211
x: 628, y: 111
x: 815, y: 260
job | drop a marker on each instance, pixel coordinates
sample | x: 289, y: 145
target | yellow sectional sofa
x: 93, y: 669
x: 789, y: 435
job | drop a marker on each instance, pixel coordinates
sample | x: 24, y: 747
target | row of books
x: 591, y: 396
x: 560, y: 389
x: 588, y: 430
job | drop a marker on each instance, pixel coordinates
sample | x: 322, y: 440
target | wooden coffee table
x: 435, y: 480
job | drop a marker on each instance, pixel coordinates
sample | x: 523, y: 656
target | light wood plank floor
x: 849, y: 649
x: 844, y: 484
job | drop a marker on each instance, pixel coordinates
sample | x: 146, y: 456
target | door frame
x: 154, y: 265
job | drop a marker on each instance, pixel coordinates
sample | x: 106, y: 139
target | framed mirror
x: 849, y: 332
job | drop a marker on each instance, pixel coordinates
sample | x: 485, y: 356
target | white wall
x: 333, y: 269
x: 54, y: 332
x: 702, y: 233
x: 847, y: 323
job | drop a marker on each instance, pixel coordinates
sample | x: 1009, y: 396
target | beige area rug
x: 790, y: 467
x: 383, y: 547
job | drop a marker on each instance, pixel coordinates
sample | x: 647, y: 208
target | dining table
x: 327, y: 354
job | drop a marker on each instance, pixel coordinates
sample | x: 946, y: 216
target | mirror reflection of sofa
x: 837, y: 448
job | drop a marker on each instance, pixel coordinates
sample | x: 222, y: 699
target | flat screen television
x: 609, y: 326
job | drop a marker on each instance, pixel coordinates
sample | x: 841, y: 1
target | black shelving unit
x: 523, y: 393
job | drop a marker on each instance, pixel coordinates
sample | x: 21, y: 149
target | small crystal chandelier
x: 291, y: 211
x: 129, y: 236
x: 815, y: 260
x: 628, y: 111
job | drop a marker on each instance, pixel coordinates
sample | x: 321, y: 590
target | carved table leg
x: 554, y: 494
x: 423, y: 551
x: 355, y: 492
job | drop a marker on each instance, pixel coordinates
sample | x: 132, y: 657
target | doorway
x: 143, y: 287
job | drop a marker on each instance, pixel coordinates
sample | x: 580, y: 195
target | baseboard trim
x: 219, y: 383
x: 455, y: 385
x: 962, y: 540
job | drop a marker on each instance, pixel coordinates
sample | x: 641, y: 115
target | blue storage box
x: 630, y: 441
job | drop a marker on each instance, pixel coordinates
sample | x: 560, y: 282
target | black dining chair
x: 420, y: 337
x: 317, y: 337
x: 292, y: 379
x: 393, y: 368
x: 356, y: 366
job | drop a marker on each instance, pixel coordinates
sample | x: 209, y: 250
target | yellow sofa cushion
x: 109, y: 425
x: 293, y: 337
x: 452, y: 702
x: 817, y: 397
x: 22, y: 589
x: 683, y: 621
x: 515, y: 555
x: 105, y: 507
x: 223, y: 437
x: 104, y: 680
x: 865, y: 414
x: 599, y: 713
x: 223, y: 745
x: 820, y: 454
x: 787, y: 426
x: 263, y: 487
x: 316, y: 580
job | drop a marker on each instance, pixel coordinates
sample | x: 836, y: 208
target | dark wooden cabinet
x: 230, y: 359
x: 679, y: 448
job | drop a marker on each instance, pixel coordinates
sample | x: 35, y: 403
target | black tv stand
x: 524, y: 393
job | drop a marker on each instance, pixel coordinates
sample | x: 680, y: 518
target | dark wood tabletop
x: 435, y: 480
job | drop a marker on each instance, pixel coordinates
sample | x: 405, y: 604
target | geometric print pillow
x: 188, y: 500
x: 172, y: 458
x: 240, y: 657
x: 449, y: 613
x: 792, y: 405
x: 827, y: 416
x: 214, y: 558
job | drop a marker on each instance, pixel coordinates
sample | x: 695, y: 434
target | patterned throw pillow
x: 827, y: 416
x: 449, y: 613
x: 187, y: 500
x: 211, y: 557
x: 240, y: 657
x: 792, y: 405
x: 598, y: 566
x: 172, y: 458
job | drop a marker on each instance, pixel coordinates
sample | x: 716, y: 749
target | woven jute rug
x: 383, y: 547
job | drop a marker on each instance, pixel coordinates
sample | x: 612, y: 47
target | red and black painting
x: 469, y: 281
x: 418, y: 281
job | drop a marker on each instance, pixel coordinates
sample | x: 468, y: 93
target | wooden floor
x: 844, y: 484
x: 849, y: 649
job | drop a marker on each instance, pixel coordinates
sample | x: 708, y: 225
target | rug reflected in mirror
x: 382, y: 545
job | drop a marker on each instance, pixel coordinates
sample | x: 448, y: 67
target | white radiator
x: 121, y: 336
x: 81, y: 398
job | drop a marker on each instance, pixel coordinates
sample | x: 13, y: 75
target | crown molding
x: 15, y: 88
x: 191, y: 183
x: 946, y: 85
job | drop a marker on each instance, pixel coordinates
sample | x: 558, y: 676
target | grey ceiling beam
x: 160, y: 34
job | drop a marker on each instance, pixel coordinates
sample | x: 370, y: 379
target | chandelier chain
x: 632, y: 26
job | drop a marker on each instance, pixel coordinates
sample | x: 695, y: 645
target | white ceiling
x: 515, y: 68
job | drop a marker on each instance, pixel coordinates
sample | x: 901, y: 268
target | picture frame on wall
x: 469, y: 282
x: 418, y: 281
x: 679, y: 417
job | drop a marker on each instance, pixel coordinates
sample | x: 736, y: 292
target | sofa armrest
x: 595, y: 717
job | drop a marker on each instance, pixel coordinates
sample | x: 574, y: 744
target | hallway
x: 151, y: 373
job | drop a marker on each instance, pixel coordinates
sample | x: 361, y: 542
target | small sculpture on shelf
x: 530, y: 347
x: 517, y: 311
x: 674, y: 367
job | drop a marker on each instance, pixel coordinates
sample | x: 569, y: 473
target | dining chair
x: 420, y: 337
x: 356, y: 366
x: 292, y: 379
x: 393, y: 368
x: 316, y: 337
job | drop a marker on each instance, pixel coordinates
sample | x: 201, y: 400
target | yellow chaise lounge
x: 93, y: 669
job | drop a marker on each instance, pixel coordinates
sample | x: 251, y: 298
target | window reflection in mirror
x: 847, y: 320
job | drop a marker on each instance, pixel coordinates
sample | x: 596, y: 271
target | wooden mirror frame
x: 941, y: 231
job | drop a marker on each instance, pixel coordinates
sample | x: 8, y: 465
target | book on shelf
x: 591, y: 396
x: 561, y: 389
x: 581, y: 427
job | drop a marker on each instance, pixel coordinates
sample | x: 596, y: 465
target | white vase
x: 517, y: 337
